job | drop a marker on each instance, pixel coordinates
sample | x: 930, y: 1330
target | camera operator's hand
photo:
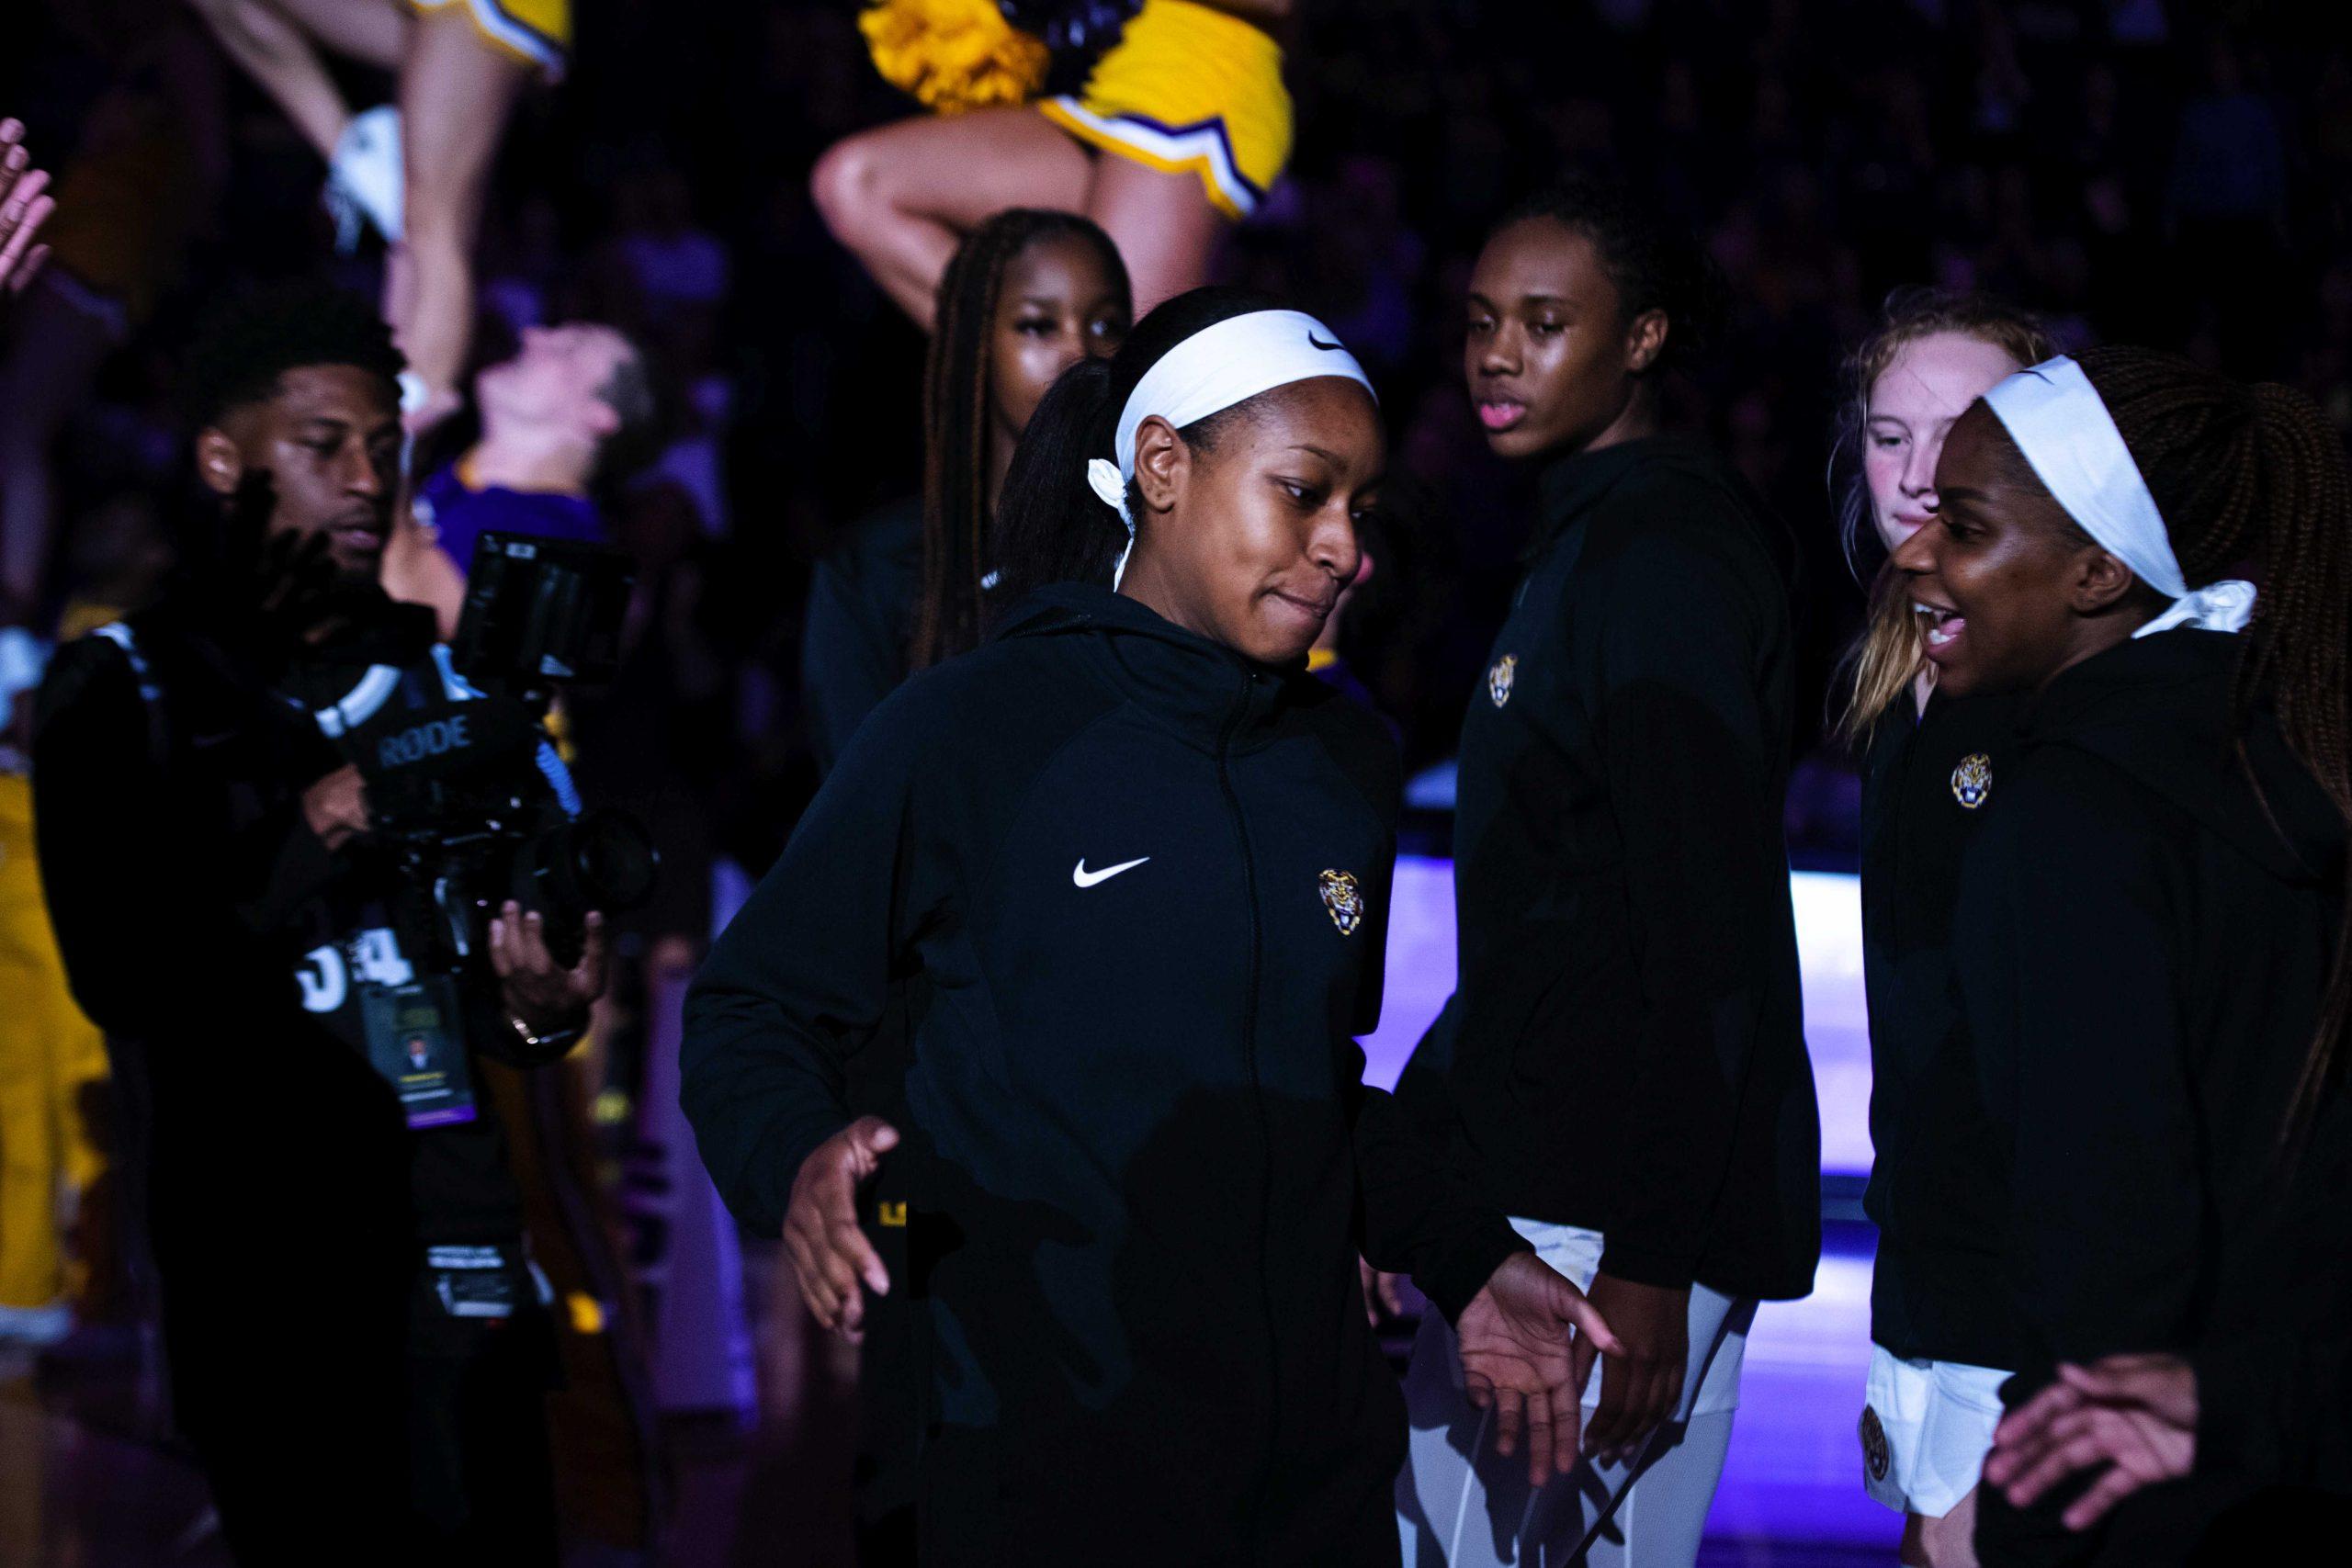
x: 545, y: 997
x: 336, y: 806
x: 261, y: 596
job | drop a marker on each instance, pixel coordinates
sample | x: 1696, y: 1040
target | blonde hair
x: 1889, y: 654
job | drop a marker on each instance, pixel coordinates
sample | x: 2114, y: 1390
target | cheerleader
x: 1180, y: 126
x: 417, y: 171
x: 2150, y: 937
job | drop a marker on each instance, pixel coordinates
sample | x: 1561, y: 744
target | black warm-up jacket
x: 1127, y: 894
x: 1938, y: 1190
x: 1624, y: 1047
x: 860, y: 618
x: 2144, y: 930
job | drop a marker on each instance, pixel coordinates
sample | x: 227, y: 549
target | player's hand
x: 25, y: 205
x: 1642, y: 1384
x: 545, y: 996
x: 1379, y: 1293
x: 831, y: 1256
x: 1523, y: 1339
x: 2134, y: 1415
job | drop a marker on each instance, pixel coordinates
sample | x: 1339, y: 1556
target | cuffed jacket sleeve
x: 801, y: 979
x: 1422, y: 1217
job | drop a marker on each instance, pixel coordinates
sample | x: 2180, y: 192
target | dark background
x: 2154, y: 173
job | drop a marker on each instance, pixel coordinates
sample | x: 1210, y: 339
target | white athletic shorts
x: 1926, y: 1426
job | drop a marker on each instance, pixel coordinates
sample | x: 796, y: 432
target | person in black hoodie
x: 1121, y: 875
x: 2151, y: 930
x: 1025, y: 296
x: 1941, y: 1330
x: 359, y: 1356
x: 1623, y: 1057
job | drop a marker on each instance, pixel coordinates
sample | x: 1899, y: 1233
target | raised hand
x: 25, y: 205
x: 831, y: 1256
x: 335, y: 808
x: 2134, y: 1414
x: 1526, y: 1339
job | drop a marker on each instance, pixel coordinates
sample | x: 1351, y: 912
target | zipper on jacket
x: 1256, y: 1088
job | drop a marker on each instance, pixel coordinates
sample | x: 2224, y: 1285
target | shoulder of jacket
x: 2053, y: 793
x: 1018, y: 686
x: 1360, y: 744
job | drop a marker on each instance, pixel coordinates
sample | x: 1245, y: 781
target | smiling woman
x: 1941, y: 1332
x: 1123, y: 872
x: 2150, y: 932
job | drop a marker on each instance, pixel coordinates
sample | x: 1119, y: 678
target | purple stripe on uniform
x: 1213, y: 123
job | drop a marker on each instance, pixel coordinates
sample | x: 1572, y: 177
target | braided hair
x: 958, y: 398
x: 2252, y: 480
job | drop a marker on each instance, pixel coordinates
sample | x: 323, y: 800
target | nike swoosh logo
x: 1086, y: 878
x: 1320, y: 343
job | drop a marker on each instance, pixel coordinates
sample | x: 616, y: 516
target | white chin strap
x: 2059, y: 422
x: 1215, y: 369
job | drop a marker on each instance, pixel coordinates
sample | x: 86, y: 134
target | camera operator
x: 358, y: 1348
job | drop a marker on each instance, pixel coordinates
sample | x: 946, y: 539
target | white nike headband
x: 1212, y: 370
x: 2060, y: 422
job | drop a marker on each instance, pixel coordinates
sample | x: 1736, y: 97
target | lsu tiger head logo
x: 1972, y: 782
x: 1877, y: 1452
x: 1344, y: 900
x: 1499, y: 678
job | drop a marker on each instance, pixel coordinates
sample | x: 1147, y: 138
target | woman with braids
x: 1941, y: 1327
x: 2150, y: 938
x: 1028, y: 295
x: 1124, y: 869
x: 1624, y: 1055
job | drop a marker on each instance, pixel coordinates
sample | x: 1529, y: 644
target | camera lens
x: 612, y: 859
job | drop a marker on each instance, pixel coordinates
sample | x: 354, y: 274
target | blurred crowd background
x: 2161, y: 173
x: 2165, y: 173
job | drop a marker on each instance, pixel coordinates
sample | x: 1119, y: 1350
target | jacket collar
x: 1205, y: 693
x: 1569, y: 487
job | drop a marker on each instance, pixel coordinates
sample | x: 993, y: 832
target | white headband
x: 1212, y: 370
x: 2059, y: 422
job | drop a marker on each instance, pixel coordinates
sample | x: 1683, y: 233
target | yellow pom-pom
x: 953, y: 55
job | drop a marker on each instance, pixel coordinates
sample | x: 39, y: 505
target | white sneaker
x: 39, y: 1327
x: 364, y: 181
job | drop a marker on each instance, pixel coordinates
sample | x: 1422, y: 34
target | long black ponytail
x: 1050, y: 525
